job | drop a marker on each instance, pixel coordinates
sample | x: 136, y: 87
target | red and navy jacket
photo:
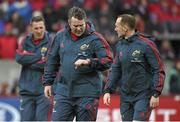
x: 137, y: 68
x: 32, y: 56
x: 65, y: 50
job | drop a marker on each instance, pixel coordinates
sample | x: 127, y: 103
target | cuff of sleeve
x: 107, y: 91
x: 156, y: 94
x: 47, y: 84
x: 93, y: 62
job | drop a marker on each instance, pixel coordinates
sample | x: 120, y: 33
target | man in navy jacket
x: 31, y: 54
x: 78, y: 53
x: 139, y: 70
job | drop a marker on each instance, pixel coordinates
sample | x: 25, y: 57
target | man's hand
x: 48, y: 91
x: 81, y: 62
x: 107, y: 99
x: 154, y: 102
x: 24, y: 51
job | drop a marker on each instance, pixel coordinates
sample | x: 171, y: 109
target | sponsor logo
x: 8, y: 111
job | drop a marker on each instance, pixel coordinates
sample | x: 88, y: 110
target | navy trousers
x: 83, y: 108
x: 138, y: 110
x: 35, y: 108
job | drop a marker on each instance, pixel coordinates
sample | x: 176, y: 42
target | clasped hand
x: 81, y: 62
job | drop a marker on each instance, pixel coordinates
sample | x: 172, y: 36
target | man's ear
x: 125, y: 28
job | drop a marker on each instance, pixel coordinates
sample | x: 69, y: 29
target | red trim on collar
x: 74, y: 37
x: 37, y: 41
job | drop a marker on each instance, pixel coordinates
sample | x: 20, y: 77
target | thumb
x: 109, y: 100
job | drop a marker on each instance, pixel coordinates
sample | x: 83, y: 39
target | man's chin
x: 121, y: 37
x: 79, y: 34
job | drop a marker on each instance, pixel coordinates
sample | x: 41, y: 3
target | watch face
x: 155, y: 95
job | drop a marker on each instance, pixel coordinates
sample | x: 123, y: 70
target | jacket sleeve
x: 103, y: 54
x: 25, y: 57
x: 39, y: 65
x: 52, y: 63
x: 154, y: 60
x: 114, y: 76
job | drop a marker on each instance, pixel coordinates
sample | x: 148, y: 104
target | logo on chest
x: 84, y: 47
x: 136, y: 53
x: 43, y: 51
x: 136, y: 56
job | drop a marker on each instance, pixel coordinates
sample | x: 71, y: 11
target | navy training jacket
x: 137, y: 67
x: 64, y: 51
x: 29, y: 55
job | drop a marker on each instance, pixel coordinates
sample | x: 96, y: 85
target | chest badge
x: 84, y: 47
x: 136, y: 53
x: 43, y: 51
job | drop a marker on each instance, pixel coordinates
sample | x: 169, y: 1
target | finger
x: 105, y: 101
x: 109, y: 100
x: 156, y: 105
x: 46, y: 93
x: 151, y: 105
x: 76, y: 67
x: 49, y: 93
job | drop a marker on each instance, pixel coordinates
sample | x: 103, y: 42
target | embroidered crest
x: 84, y: 47
x: 136, y: 56
x: 136, y: 53
x: 43, y: 51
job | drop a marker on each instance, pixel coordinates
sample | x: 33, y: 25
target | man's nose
x: 39, y: 30
x: 79, y: 28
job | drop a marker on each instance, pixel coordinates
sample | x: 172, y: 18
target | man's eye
x: 78, y: 26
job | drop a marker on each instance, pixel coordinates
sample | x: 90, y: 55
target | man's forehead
x: 40, y: 23
x: 76, y: 21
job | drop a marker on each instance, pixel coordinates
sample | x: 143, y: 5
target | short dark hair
x: 37, y: 19
x: 77, y: 12
x: 128, y: 20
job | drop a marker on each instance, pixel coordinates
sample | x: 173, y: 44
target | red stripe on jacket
x: 20, y: 49
x: 107, y: 49
x: 161, y: 66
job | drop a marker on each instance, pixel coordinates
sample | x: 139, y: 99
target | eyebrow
x: 78, y: 25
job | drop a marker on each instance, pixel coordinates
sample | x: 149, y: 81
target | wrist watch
x: 155, y: 95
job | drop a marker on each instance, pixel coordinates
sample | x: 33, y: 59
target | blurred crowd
x: 154, y: 17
